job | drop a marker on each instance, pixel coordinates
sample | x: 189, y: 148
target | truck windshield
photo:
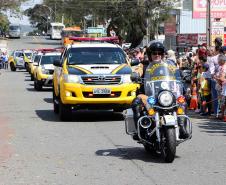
x: 29, y: 55
x: 14, y: 28
x: 95, y: 55
x: 58, y: 27
x: 49, y: 59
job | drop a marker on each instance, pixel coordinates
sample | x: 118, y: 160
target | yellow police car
x: 92, y: 75
x: 27, y: 58
x: 34, y: 62
x: 19, y: 59
x: 43, y: 71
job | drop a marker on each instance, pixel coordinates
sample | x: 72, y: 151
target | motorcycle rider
x: 156, y: 53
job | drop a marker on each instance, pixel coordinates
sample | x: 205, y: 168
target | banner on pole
x: 218, y: 8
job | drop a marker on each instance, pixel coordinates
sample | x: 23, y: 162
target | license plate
x: 169, y: 120
x: 19, y: 62
x: 101, y: 91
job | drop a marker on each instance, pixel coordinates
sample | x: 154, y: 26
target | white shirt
x: 213, y: 64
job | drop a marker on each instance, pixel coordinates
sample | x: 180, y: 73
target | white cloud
x: 21, y: 18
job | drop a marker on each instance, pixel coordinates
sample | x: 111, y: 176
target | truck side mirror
x: 135, y: 62
x: 57, y: 63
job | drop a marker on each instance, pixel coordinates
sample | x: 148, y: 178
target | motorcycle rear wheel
x: 170, y: 145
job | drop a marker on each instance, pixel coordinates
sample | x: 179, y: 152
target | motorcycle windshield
x: 161, y: 76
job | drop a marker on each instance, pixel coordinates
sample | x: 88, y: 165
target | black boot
x: 137, y: 108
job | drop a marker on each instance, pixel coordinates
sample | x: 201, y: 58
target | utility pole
x: 208, y: 23
x: 55, y: 11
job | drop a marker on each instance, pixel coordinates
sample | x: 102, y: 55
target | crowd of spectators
x: 208, y: 80
x: 3, y: 59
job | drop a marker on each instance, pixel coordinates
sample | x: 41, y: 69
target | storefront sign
x: 170, y: 26
x: 224, y: 39
x: 217, y: 31
x: 201, y: 39
x: 218, y: 8
x: 191, y: 39
x: 187, y: 39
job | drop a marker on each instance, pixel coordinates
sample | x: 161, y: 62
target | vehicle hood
x: 100, y: 69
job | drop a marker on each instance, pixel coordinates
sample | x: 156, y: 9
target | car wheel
x: 32, y: 77
x: 37, y: 86
x: 64, y: 111
x: 12, y: 67
x: 55, y: 103
x: 26, y: 66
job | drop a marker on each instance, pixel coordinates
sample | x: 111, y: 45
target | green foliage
x: 4, y: 23
x: 10, y: 4
x: 13, y: 5
x: 39, y: 17
x: 128, y: 17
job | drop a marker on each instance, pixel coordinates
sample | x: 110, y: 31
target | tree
x: 128, y: 17
x: 39, y: 17
x: 6, y: 5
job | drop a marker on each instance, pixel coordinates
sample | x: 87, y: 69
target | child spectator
x: 194, y: 97
x: 205, y: 90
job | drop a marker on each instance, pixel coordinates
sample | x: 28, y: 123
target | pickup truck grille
x: 101, y: 80
x: 51, y: 71
x: 91, y: 95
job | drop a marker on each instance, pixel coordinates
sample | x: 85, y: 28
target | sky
x: 23, y: 19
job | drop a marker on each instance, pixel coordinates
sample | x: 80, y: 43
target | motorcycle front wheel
x: 169, y: 149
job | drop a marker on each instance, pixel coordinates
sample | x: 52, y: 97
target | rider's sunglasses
x: 157, y: 53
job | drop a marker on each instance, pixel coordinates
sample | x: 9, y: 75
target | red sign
x: 218, y: 8
x: 225, y: 39
x: 170, y: 29
x: 187, y: 39
x: 170, y: 26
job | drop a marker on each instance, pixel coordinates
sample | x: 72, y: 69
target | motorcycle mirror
x: 134, y: 62
x: 135, y: 77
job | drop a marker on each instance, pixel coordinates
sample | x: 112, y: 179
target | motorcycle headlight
x: 71, y: 78
x: 165, y: 98
x: 126, y: 79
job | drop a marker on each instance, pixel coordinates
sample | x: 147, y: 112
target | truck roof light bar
x: 94, y: 39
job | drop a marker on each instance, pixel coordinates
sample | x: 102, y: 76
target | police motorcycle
x: 163, y: 123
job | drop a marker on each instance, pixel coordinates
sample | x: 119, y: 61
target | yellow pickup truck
x: 43, y: 71
x: 19, y: 59
x: 92, y: 75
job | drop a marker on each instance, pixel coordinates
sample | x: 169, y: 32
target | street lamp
x: 156, y: 12
x: 50, y: 11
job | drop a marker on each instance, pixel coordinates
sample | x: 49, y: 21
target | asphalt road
x: 93, y: 149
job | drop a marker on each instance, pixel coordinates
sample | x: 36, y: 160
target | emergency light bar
x: 46, y: 50
x: 98, y: 39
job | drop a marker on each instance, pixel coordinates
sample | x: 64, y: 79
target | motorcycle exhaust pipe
x: 144, y: 122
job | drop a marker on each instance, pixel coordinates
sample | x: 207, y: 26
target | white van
x: 56, y: 29
x: 14, y: 31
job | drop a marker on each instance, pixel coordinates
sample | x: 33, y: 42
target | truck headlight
x: 45, y: 71
x: 71, y: 78
x: 126, y: 79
